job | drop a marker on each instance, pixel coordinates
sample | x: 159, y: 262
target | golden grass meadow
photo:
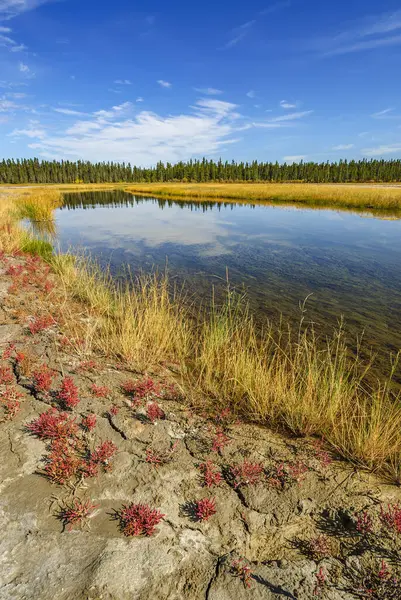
x: 288, y: 380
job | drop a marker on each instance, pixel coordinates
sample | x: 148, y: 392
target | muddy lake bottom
x: 344, y: 264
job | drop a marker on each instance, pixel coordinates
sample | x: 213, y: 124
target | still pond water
x: 349, y: 262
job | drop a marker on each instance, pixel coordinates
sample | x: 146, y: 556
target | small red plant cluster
x: 297, y: 470
x: 62, y: 462
x: 247, y: 473
x: 364, y: 523
x: 240, y: 568
x: 139, y: 519
x: 321, y: 578
x: 220, y: 441
x: 114, y: 410
x: 145, y: 389
x: 68, y: 393
x: 319, y: 547
x: 76, y: 512
x: 381, y: 585
x: 15, y: 270
x: 205, y: 508
x: 154, y: 412
x: 39, y: 324
x: 100, y: 391
x: 9, y: 351
x: 321, y: 453
x: 289, y: 473
x: 6, y: 376
x: 89, y: 422
x: 224, y: 417
x: 53, y: 425
x: 101, y: 456
x: 158, y: 459
x: 87, y: 365
x: 391, y: 518
x: 10, y: 400
x: 210, y: 473
x: 43, y: 379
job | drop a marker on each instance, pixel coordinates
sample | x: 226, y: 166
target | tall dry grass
x: 288, y: 380
x: 142, y: 320
x: 295, y: 381
x: 346, y: 196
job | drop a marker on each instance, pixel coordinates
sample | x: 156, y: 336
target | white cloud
x: 239, y: 33
x: 343, y: 147
x: 146, y: 137
x: 275, y: 7
x: 7, y: 42
x: 69, y: 111
x: 12, y: 8
x: 269, y: 125
x: 139, y: 99
x: 381, y: 113
x: 208, y: 91
x: 31, y: 133
x: 294, y: 158
x: 165, y: 84
x: 285, y: 104
x: 251, y: 94
x: 16, y: 95
x: 123, y: 82
x: 380, y: 150
x: 387, y: 113
x: 24, y: 68
x: 9, y: 106
x: 368, y: 33
x: 6, y: 105
x: 292, y: 116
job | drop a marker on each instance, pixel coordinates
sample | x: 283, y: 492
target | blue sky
x: 143, y: 81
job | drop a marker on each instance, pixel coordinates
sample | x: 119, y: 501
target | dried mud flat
x: 296, y: 524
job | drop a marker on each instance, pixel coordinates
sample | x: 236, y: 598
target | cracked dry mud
x: 269, y: 525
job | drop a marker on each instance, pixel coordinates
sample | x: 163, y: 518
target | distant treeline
x: 36, y: 171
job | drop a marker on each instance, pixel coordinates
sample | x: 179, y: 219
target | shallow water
x: 347, y: 264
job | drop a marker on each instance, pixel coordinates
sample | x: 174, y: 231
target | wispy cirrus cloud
x: 8, y: 42
x: 12, y: 8
x: 343, y: 147
x: 275, y: 7
x: 209, y: 91
x: 286, y: 104
x: 387, y: 113
x: 294, y: 158
x: 382, y: 113
x: 251, y: 94
x: 123, y: 82
x: 383, y: 149
x: 291, y: 116
x: 69, y: 112
x: 144, y: 138
x: 374, y: 31
x: 32, y: 132
x: 239, y: 33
